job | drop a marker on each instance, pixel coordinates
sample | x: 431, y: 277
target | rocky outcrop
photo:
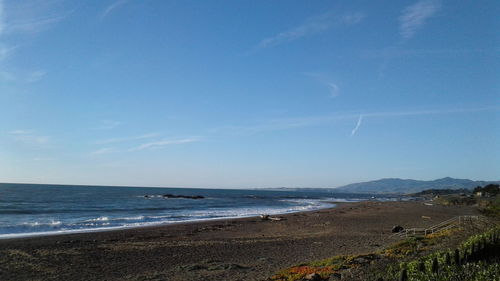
x: 183, y: 196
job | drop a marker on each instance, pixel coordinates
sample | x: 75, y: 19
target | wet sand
x: 234, y: 249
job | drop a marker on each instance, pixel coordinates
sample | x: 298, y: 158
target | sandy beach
x: 235, y: 249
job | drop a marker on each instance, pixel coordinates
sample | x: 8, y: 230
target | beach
x: 230, y: 249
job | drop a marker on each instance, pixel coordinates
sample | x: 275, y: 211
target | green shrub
x: 477, y: 259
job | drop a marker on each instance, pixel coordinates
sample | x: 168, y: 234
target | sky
x: 248, y: 93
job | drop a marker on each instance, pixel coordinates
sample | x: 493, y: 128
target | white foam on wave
x: 102, y: 223
x: 106, y: 219
x: 346, y: 200
x: 37, y: 223
x: 90, y: 224
x: 131, y: 218
x: 149, y: 196
x: 301, y: 205
x: 99, y: 229
x: 170, y: 216
x: 98, y: 219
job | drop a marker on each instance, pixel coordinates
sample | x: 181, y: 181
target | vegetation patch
x: 325, y: 268
x: 491, y: 207
x: 476, y: 259
x: 403, y: 250
x: 454, y: 200
x: 299, y: 272
x: 210, y: 265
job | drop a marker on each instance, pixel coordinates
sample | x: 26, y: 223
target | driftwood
x: 276, y: 218
x: 266, y: 217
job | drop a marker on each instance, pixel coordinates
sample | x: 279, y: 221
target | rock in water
x: 183, y: 196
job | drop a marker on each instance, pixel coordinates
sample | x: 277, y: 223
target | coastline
x: 153, y: 224
x: 223, y: 249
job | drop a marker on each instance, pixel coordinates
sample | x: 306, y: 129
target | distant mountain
x: 395, y: 185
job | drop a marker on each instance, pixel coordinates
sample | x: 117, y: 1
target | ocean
x: 30, y: 210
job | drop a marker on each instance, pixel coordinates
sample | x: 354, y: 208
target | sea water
x: 29, y: 209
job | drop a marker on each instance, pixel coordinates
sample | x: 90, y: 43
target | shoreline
x: 153, y: 224
x: 227, y: 249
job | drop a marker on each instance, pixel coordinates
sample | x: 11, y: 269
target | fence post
x: 457, y: 257
x: 435, y: 265
x: 404, y: 275
x: 448, y: 258
x: 421, y: 266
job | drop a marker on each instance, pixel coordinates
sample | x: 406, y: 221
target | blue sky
x: 241, y: 94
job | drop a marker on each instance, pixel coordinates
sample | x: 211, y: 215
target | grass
x: 324, y: 268
x: 410, y: 247
x: 491, y: 207
x: 488, y: 206
x: 454, y: 199
x: 476, y: 259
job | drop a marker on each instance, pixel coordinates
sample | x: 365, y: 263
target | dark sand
x: 236, y: 249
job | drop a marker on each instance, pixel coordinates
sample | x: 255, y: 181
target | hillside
x: 396, y: 185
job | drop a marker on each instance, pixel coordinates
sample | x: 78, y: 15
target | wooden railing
x: 447, y: 224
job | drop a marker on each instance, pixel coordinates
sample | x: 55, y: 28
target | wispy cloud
x: 35, y: 76
x: 166, y: 142
x: 414, y: 16
x: 112, y: 7
x: 108, y: 124
x: 144, y: 146
x: 394, y: 52
x: 20, y: 132
x: 33, y: 25
x: 277, y: 124
x: 333, y: 88
x: 104, y: 150
x: 358, y: 124
x: 430, y: 112
x: 5, y: 50
x: 42, y: 159
x: 126, y: 139
x: 29, y: 137
x: 28, y: 77
x: 31, y: 16
x: 310, y: 121
x: 7, y: 76
x: 18, y: 18
x: 2, y: 17
x: 311, y: 26
x: 4, y: 53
